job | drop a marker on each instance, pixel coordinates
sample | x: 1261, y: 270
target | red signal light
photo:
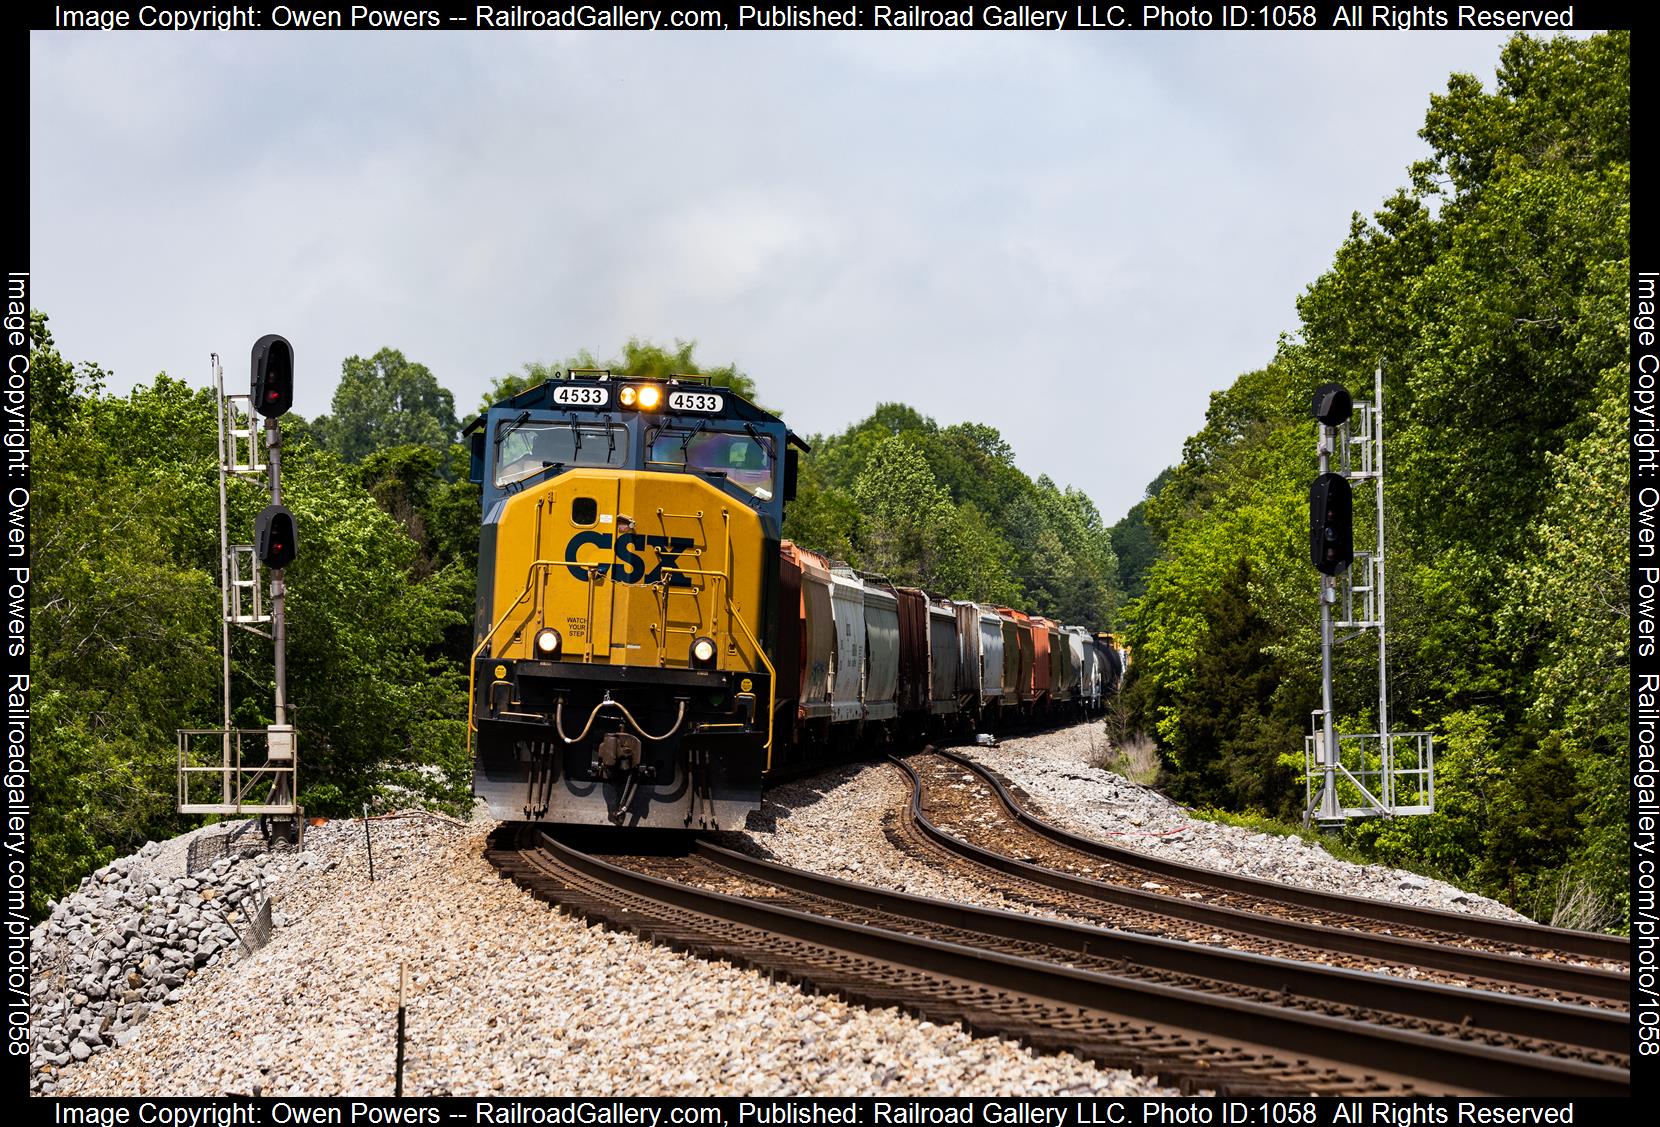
x: 272, y: 375
x: 274, y: 536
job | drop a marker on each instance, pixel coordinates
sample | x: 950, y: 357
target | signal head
x: 274, y: 540
x: 1331, y: 524
x: 1333, y: 404
x: 271, y: 385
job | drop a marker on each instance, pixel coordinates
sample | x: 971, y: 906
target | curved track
x: 1054, y: 985
x: 960, y: 809
x: 1434, y: 925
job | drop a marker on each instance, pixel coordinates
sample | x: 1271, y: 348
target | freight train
x: 650, y: 650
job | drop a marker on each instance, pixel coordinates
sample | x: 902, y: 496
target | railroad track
x: 1505, y: 936
x: 1155, y: 1006
x: 960, y: 809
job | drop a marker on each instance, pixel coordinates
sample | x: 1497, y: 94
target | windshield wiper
x: 525, y: 475
x: 691, y: 434
x: 503, y: 432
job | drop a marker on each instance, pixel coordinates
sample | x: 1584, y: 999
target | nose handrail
x: 733, y: 614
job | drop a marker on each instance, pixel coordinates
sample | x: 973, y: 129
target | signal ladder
x: 244, y: 771
x: 1370, y: 774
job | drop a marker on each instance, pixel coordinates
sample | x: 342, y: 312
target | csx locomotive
x: 649, y: 649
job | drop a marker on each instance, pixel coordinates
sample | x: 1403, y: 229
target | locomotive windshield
x: 532, y: 447
x: 743, y: 458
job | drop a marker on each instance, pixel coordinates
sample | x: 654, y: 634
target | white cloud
x: 1074, y: 237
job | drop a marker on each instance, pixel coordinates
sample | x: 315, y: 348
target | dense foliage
x: 383, y: 401
x: 638, y: 359
x: 946, y: 508
x: 124, y: 613
x: 124, y: 618
x: 1495, y: 291
x: 1493, y: 288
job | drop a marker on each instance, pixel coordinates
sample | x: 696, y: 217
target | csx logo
x: 630, y: 565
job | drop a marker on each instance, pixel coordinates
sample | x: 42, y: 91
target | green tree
x: 822, y: 517
x: 1134, y: 544
x: 638, y: 359
x: 970, y: 524
x: 1229, y: 747
x: 124, y: 622
x: 533, y: 374
x: 1570, y: 603
x: 56, y: 386
x: 973, y: 561
x: 1494, y: 288
x: 386, y: 400
x: 902, y: 511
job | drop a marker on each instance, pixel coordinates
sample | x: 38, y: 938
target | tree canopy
x: 124, y: 619
x: 638, y: 358
x: 946, y: 508
x: 1494, y: 290
x: 386, y: 400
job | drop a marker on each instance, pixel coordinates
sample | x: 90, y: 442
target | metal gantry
x: 1369, y: 774
x: 248, y: 771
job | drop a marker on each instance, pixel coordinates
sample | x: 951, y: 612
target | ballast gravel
x: 141, y: 986
x: 1055, y: 770
x: 505, y: 996
x: 832, y: 823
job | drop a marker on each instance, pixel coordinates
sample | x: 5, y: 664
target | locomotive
x: 649, y: 650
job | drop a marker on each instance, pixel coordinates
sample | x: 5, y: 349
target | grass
x: 1573, y: 903
x: 1261, y: 823
x: 1136, y: 759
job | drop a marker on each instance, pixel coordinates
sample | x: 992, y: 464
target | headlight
x: 645, y: 397
x: 703, y: 651
x: 547, y: 642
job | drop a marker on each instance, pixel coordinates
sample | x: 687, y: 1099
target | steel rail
x: 1455, y: 1066
x: 1563, y: 978
x: 1613, y: 948
x: 1561, y: 1022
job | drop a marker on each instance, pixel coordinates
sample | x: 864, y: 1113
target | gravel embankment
x: 140, y: 985
x: 831, y: 823
x: 506, y: 996
x: 132, y: 938
x: 1054, y: 770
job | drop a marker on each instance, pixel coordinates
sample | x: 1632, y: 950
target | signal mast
x: 1371, y: 774
x: 241, y: 783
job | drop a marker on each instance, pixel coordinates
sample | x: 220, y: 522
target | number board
x: 705, y: 401
x: 581, y: 395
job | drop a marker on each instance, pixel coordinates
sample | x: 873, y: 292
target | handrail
x: 772, y: 674
x: 663, y: 585
x: 732, y: 613
x: 472, y: 662
x: 238, y: 778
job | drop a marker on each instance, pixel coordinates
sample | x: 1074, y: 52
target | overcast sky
x: 1075, y: 237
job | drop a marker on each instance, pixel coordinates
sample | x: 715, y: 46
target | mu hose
x: 559, y: 721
